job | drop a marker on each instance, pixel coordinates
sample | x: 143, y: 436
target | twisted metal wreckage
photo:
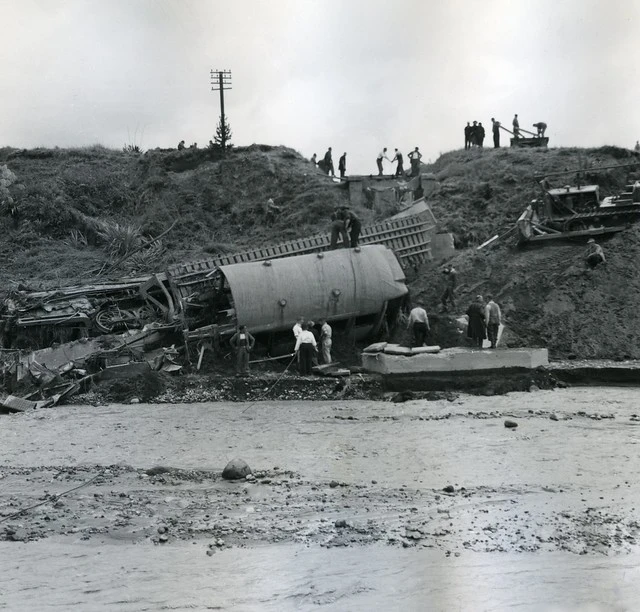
x: 83, y: 332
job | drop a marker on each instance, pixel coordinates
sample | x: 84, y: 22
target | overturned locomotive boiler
x: 357, y: 285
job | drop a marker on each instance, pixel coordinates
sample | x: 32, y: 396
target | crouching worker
x: 418, y: 323
x: 242, y: 343
x: 594, y: 254
x: 305, y: 349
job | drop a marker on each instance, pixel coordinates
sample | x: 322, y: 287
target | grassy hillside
x: 75, y: 210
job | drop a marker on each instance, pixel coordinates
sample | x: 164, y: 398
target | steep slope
x: 74, y: 208
x: 548, y: 295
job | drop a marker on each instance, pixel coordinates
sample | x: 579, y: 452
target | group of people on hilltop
x: 308, y: 337
x: 414, y: 159
x: 474, y: 134
x: 326, y: 163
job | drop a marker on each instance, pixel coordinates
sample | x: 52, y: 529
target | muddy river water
x: 348, y: 510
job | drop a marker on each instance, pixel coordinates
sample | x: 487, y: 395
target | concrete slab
x: 456, y: 360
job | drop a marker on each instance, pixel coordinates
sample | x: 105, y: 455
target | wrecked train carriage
x: 362, y: 288
x: 356, y: 286
x: 38, y: 319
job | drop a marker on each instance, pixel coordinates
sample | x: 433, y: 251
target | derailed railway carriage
x: 362, y: 287
x: 359, y: 286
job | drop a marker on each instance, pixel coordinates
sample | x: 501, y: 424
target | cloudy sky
x: 352, y: 74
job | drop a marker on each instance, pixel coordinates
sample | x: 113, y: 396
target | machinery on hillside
x: 576, y: 211
x: 532, y: 140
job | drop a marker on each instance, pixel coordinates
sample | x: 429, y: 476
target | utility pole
x: 221, y: 81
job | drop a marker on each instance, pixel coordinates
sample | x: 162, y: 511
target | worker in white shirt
x: 493, y: 319
x: 297, y: 328
x: 382, y: 155
x: 399, y: 168
x: 419, y: 325
x: 415, y: 156
x: 305, y: 348
x: 325, y: 340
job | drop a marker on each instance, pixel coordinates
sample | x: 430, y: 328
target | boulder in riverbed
x: 236, y: 469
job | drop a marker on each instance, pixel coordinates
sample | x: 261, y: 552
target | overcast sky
x: 356, y: 75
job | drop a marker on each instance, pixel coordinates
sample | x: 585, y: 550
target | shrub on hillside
x: 119, y: 238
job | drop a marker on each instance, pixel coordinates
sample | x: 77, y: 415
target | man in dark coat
x: 353, y: 227
x: 242, y: 342
x: 338, y: 230
x: 467, y: 136
x: 328, y: 162
x: 480, y: 135
x: 342, y: 165
x: 476, y: 329
x: 496, y: 133
x: 473, y: 139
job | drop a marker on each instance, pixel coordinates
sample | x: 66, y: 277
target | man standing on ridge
x: 415, y: 156
x: 496, y: 133
x: 480, y: 135
x: 342, y: 165
x: 399, y: 168
x: 328, y: 162
x: 382, y: 155
x: 467, y: 136
x: 516, y: 126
